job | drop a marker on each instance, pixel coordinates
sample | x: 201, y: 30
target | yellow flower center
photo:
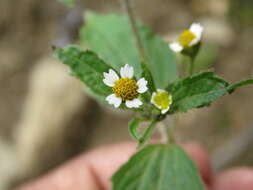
x: 126, y: 89
x: 186, y: 37
x: 163, y: 100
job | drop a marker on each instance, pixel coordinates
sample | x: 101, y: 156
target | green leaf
x: 146, y: 97
x: 148, y: 76
x: 158, y: 167
x: 200, y: 90
x: 133, y: 127
x: 86, y: 66
x: 111, y: 37
x: 68, y: 3
x: 196, y: 91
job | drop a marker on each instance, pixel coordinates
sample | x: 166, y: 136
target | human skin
x: 92, y: 171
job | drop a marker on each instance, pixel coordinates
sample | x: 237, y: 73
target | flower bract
x: 125, y: 88
x: 188, y: 38
x: 162, y: 100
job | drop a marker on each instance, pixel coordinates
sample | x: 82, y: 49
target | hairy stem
x: 129, y: 10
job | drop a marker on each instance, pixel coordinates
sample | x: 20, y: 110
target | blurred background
x: 46, y: 117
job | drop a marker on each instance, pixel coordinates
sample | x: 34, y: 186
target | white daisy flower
x: 188, y: 38
x: 125, y: 88
x: 162, y: 100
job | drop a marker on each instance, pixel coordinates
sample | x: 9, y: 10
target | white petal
x: 135, y: 103
x: 127, y: 71
x: 114, y: 100
x: 113, y: 75
x: 110, y: 78
x: 197, y: 29
x: 108, y: 82
x: 142, y: 85
x: 152, y: 97
x: 176, y: 47
x: 165, y: 110
x: 160, y: 90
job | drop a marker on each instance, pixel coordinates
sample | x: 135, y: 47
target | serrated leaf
x: 158, y: 167
x: 86, y: 66
x: 68, y: 3
x: 200, y: 90
x: 196, y: 91
x: 112, y: 38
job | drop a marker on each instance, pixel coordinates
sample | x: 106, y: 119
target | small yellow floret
x: 126, y: 89
x: 186, y: 37
x: 162, y: 100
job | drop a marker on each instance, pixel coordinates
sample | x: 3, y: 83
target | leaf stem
x: 129, y: 10
x: 147, y: 133
x: 239, y: 84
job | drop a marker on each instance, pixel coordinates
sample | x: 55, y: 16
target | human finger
x: 234, y: 179
x: 94, y: 169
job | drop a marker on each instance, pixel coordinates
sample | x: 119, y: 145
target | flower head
x: 188, y: 38
x: 125, y: 88
x: 162, y: 100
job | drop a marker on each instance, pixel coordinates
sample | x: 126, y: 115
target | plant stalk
x: 129, y: 10
x: 147, y: 134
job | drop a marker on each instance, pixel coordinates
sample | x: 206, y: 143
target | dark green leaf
x: 197, y: 91
x: 68, y: 3
x: 158, y: 167
x: 161, y: 60
x: 86, y: 66
x: 112, y: 38
x: 148, y: 76
x: 151, y: 86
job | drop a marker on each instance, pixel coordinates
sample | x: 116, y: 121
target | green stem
x: 147, y: 134
x: 239, y: 84
x: 129, y: 10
